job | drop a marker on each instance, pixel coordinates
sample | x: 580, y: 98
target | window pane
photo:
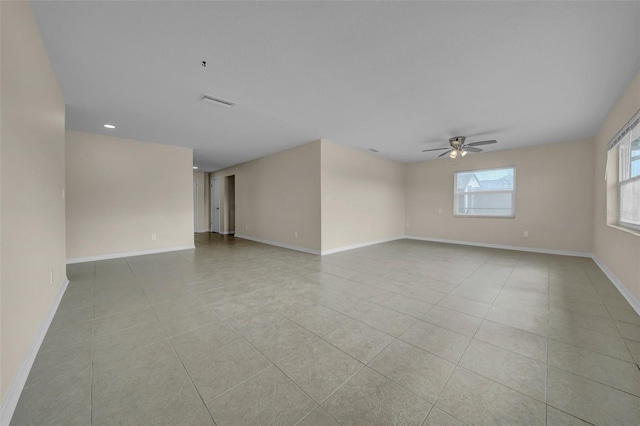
x: 485, y: 180
x: 479, y: 204
x: 630, y: 202
x: 635, y: 158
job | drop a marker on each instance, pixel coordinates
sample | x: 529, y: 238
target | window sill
x: 623, y: 229
x: 482, y: 217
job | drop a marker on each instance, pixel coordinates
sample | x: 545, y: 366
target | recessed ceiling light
x: 109, y: 126
x: 195, y: 167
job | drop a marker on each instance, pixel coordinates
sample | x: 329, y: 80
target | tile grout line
x: 457, y: 364
x: 398, y: 338
x: 546, y: 370
x: 93, y: 332
x: 171, y: 344
x: 273, y: 364
x: 394, y: 337
x: 318, y: 337
x: 546, y: 337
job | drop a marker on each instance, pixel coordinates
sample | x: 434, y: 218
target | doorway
x: 230, y: 204
x: 215, y: 205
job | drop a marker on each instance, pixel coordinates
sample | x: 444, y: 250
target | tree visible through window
x: 489, y: 192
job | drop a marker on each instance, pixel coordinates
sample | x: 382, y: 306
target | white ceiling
x: 398, y: 77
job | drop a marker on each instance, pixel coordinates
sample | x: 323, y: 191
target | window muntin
x: 485, y: 193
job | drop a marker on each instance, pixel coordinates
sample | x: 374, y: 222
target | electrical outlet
x: 51, y: 276
x: 295, y: 234
x: 246, y: 227
x: 525, y: 233
x: 440, y: 211
x: 154, y: 237
x: 407, y: 225
x: 63, y: 193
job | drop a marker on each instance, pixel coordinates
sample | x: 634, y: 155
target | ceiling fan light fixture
x: 459, y: 147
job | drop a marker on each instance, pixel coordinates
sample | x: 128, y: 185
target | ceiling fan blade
x: 444, y: 153
x: 484, y: 133
x: 471, y: 149
x: 481, y: 143
x: 434, y: 149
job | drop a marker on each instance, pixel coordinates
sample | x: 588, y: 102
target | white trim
x: 202, y: 231
x: 359, y: 245
x: 633, y: 301
x: 623, y: 229
x: 278, y: 244
x: 503, y: 247
x: 17, y: 385
x: 127, y: 254
x: 226, y: 233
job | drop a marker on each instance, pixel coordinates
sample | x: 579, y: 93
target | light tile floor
x: 407, y: 332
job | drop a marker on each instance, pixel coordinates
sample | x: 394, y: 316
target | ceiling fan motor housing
x: 457, y: 141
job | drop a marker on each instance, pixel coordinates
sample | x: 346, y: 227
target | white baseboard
x: 503, y: 247
x: 278, y: 244
x: 633, y: 301
x: 13, y: 395
x: 359, y: 245
x: 127, y: 254
x: 227, y: 233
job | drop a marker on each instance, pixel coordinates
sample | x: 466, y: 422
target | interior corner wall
x: 120, y: 192
x: 363, y: 197
x: 554, y: 198
x: 32, y: 181
x: 618, y: 250
x: 203, y: 201
x: 277, y: 198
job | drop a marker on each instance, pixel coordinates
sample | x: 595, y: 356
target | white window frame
x: 624, y: 160
x: 511, y: 191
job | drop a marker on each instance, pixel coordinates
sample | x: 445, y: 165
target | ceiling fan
x: 459, y: 147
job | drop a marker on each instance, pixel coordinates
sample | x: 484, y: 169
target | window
x: 485, y: 193
x: 629, y: 179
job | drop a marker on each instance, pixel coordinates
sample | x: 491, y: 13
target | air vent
x: 217, y: 101
x: 373, y: 150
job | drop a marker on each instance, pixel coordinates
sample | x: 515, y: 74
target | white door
x: 195, y: 206
x: 215, y: 205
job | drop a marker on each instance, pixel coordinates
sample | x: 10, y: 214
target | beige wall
x: 32, y: 181
x: 362, y: 197
x: 277, y: 196
x: 120, y: 192
x: 203, y: 201
x: 618, y: 250
x: 554, y: 198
